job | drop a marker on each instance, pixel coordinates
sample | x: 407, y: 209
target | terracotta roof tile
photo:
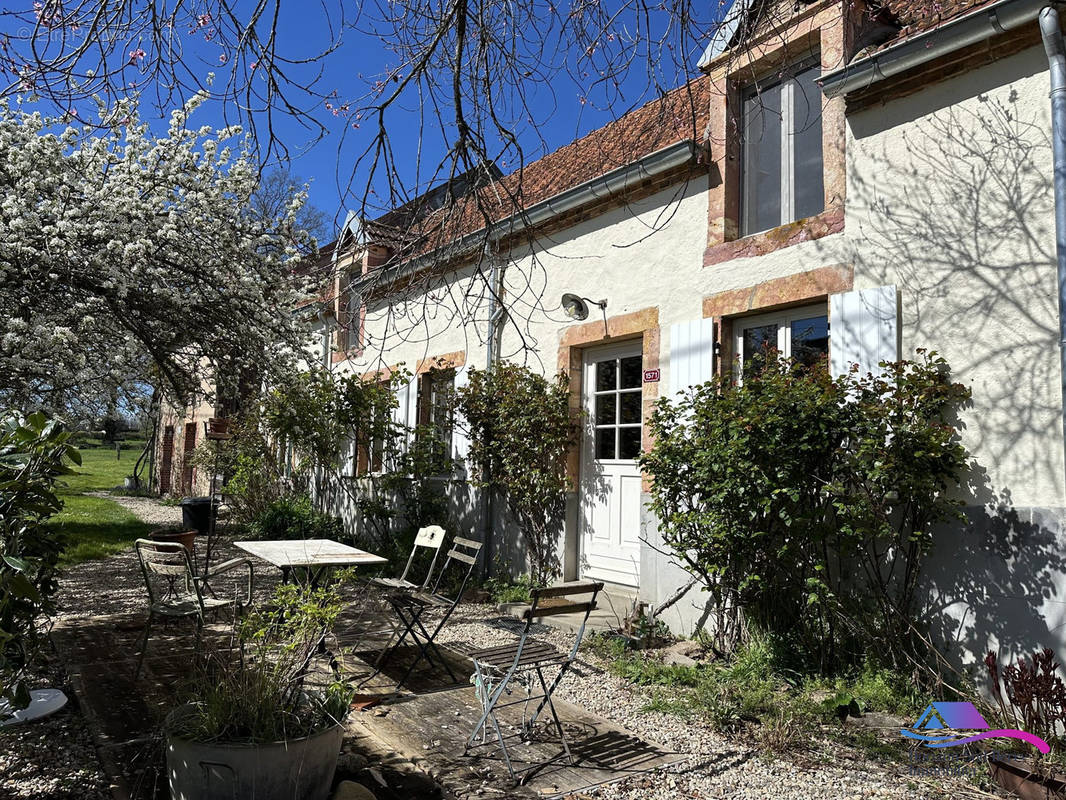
x: 917, y: 16
x: 679, y: 115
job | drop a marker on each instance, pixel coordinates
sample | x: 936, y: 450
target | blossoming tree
x: 129, y: 258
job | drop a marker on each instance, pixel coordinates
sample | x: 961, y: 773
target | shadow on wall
x: 372, y: 522
x: 951, y: 199
x: 959, y: 215
x: 998, y: 582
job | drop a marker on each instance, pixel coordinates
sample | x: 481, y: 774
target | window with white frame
x: 618, y: 397
x: 781, y: 169
x: 801, y: 334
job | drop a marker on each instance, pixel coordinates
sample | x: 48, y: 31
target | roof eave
x: 606, y: 185
x: 978, y: 25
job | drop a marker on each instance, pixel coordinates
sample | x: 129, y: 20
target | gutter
x: 1055, y: 48
x: 606, y: 185
x: 996, y: 18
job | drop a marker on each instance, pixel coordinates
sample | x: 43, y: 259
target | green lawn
x: 96, y: 527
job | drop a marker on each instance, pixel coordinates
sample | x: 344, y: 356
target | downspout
x: 1056, y: 57
x: 488, y: 496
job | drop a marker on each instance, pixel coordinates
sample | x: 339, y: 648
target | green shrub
x: 34, y: 453
x: 294, y: 517
x: 509, y: 590
x: 805, y: 504
x: 755, y: 688
x: 520, y: 430
x: 253, y: 466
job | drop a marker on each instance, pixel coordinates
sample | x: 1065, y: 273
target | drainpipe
x: 1056, y: 56
x: 496, y: 312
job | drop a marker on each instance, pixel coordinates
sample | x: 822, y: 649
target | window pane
x: 810, y: 340
x: 605, y: 442
x: 808, y: 194
x: 630, y: 407
x: 631, y: 372
x: 759, y: 341
x: 606, y: 373
x: 762, y: 160
x: 605, y: 409
x: 628, y: 442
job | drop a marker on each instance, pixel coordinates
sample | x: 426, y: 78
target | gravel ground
x: 148, y: 509
x: 55, y: 758
x: 716, y: 766
x: 52, y: 758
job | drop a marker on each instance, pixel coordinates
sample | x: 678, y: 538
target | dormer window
x: 782, y: 150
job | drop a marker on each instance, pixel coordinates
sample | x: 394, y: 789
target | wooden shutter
x: 403, y: 415
x: 460, y: 438
x: 863, y: 329
x: 350, y: 458
x: 691, y: 354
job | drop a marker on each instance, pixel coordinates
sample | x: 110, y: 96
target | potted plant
x: 1031, y: 696
x: 218, y: 429
x: 179, y: 535
x: 260, y: 721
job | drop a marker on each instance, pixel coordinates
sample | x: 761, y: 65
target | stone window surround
x: 821, y: 28
x: 798, y: 289
x: 641, y: 324
x: 370, y: 257
x: 453, y: 360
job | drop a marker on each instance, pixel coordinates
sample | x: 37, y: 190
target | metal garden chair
x: 412, y: 606
x: 175, y: 591
x: 431, y: 537
x: 496, y: 668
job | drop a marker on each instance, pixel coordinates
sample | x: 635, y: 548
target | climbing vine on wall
x: 520, y: 430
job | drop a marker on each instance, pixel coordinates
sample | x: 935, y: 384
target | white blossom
x: 134, y: 259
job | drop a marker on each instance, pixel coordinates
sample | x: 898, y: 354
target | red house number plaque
x: 651, y: 375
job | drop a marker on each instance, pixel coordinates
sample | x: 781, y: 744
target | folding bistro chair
x: 525, y: 660
x: 430, y: 537
x: 411, y: 607
x: 175, y: 591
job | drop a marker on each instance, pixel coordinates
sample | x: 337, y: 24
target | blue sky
x: 559, y: 111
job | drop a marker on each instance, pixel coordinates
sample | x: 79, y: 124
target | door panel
x: 610, y: 479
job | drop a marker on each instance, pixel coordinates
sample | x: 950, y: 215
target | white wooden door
x: 610, y: 478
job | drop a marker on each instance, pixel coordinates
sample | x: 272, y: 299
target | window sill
x: 805, y: 230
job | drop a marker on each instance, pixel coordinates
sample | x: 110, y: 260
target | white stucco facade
x: 949, y: 199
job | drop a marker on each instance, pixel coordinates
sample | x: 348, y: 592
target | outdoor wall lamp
x: 577, y: 307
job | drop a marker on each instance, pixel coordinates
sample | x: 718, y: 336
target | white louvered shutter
x: 402, y: 415
x: 460, y: 438
x: 691, y: 354
x: 350, y: 457
x: 863, y: 329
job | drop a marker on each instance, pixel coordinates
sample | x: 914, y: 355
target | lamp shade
x: 575, y: 307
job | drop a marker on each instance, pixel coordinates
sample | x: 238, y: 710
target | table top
x: 286, y: 553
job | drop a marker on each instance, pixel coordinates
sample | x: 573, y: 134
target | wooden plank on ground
x: 433, y: 728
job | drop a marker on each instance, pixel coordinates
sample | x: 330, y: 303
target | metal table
x: 314, y: 555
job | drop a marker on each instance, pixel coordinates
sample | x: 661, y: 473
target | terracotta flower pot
x: 218, y: 428
x: 187, y: 538
x: 1022, y: 777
